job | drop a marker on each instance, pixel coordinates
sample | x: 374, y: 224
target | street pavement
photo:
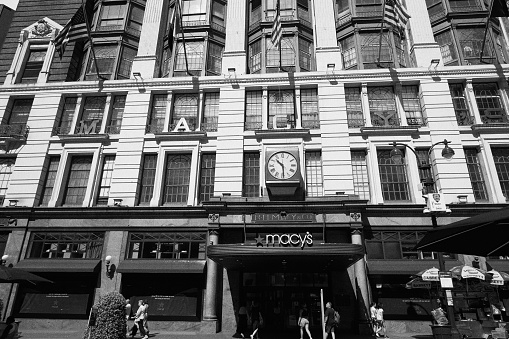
x: 187, y: 335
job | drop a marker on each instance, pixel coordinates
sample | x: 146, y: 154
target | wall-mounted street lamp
x: 110, y: 270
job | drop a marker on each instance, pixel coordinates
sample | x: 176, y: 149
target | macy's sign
x: 285, y: 240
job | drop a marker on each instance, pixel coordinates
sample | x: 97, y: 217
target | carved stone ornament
x: 213, y: 217
x: 41, y: 29
x: 355, y: 216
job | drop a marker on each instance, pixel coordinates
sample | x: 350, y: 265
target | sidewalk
x: 186, y: 335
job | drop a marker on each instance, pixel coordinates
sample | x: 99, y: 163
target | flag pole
x: 381, y: 34
x: 183, y: 38
x: 486, y: 30
x: 278, y: 15
x: 100, y: 77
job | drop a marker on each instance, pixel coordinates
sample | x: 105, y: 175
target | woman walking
x: 304, y: 321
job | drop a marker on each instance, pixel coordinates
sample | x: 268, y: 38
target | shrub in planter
x: 110, y: 321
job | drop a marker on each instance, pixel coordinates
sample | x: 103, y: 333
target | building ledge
x: 99, y: 137
x: 282, y: 133
x: 389, y: 130
x: 491, y: 128
x: 194, y: 135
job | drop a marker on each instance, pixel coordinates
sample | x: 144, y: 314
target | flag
x: 277, y: 29
x: 75, y: 29
x: 499, y: 9
x: 395, y: 14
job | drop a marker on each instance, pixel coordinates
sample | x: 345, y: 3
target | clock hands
x: 282, y: 168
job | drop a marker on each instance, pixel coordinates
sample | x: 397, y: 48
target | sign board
x: 436, y: 203
x: 285, y: 240
x: 261, y: 218
x: 446, y: 280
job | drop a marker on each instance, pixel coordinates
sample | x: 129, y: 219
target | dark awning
x: 316, y: 258
x: 479, y: 235
x: 59, y: 265
x: 405, y: 266
x: 161, y: 266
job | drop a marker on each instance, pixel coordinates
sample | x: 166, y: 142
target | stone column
x: 422, y: 42
x: 327, y: 50
x: 209, y: 311
x: 150, y: 43
x: 234, y: 55
x: 362, y: 285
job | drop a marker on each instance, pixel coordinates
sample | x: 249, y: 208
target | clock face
x: 282, y: 165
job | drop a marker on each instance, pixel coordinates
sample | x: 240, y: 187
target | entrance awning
x: 59, y: 265
x: 316, y: 258
x: 161, y: 266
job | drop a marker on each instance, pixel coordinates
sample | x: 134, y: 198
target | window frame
x: 314, y: 173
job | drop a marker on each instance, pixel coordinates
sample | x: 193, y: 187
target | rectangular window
x: 447, y: 49
x: 255, y: 57
x: 126, y: 62
x: 147, y: 179
x: 314, y: 180
x: 117, y: 111
x: 218, y: 13
x: 49, y: 180
x: 281, y: 109
x: 412, y: 105
x: 309, y: 108
x: 67, y: 116
x: 19, y: 112
x: 112, y: 17
x: 393, y: 178
x: 305, y: 55
x: 6, y: 168
x: 475, y: 174
x: 471, y: 43
x: 185, y: 106
x: 253, y: 111
x: 105, y: 183
x: 349, y: 52
x: 489, y: 103
x: 251, y: 175
x: 214, y: 59
x: 33, y: 66
x: 177, y: 175
x: 136, y: 18
x: 195, y: 57
x: 459, y: 102
x: 382, y: 106
x: 66, y: 245
x: 167, y: 245
x: 106, y: 57
x: 501, y: 159
x: 354, y: 107
x: 210, y: 112
x: 92, y: 115
x: 342, y: 5
x: 397, y: 245
x: 360, y: 174
x: 194, y: 10
x: 425, y: 171
x: 157, y: 113
x: 288, y: 55
x: 77, y: 181
x: 370, y: 49
x: 207, y: 172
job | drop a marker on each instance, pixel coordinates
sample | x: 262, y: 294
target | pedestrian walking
x: 330, y: 324
x: 372, y: 314
x: 242, y: 324
x: 380, y: 321
x: 138, y: 321
x: 304, y: 321
x: 128, y: 310
x: 145, y: 319
x: 256, y: 319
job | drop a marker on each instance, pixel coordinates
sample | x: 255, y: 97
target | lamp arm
x: 445, y: 142
x: 410, y: 148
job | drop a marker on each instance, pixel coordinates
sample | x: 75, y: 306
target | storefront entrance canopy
x: 480, y: 235
x: 316, y: 258
x: 59, y: 265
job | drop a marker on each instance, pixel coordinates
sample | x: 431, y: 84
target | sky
x: 10, y: 3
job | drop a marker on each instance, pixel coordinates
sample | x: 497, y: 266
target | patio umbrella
x: 479, y: 235
x: 418, y: 282
x: 466, y: 272
x: 16, y: 275
x: 430, y: 274
x: 498, y: 278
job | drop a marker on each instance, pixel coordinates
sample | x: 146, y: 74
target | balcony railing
x: 209, y: 126
x: 464, y: 118
x: 253, y: 126
x: 19, y: 131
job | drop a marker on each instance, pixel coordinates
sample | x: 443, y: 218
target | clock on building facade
x: 282, y: 172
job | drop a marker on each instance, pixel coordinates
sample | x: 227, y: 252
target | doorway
x: 281, y: 295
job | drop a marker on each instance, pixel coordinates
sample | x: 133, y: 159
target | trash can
x: 441, y: 332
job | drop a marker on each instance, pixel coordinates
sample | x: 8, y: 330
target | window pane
x: 207, y: 171
x: 148, y: 174
x: 288, y: 53
x: 6, y: 168
x: 489, y: 103
x: 349, y: 52
x: 309, y: 108
x: 314, y: 180
x: 157, y: 113
x: 501, y: 159
x: 255, y: 57
x: 33, y: 66
x: 214, y: 59
x: 194, y: 51
x: 281, y: 109
x: 91, y: 118
x: 475, y: 174
x: 107, y: 174
x: 20, y: 111
x: 253, y: 111
x: 106, y: 56
x: 382, y: 106
x: 251, y: 175
x: 305, y: 55
x: 449, y: 54
x: 360, y: 174
x: 66, y: 245
x: 112, y: 16
x: 412, y: 105
x: 49, y: 181
x: 136, y: 18
x: 78, y: 180
x: 460, y: 104
x: 67, y: 115
x: 117, y: 112
x: 393, y: 178
x: 185, y: 106
x: 176, y: 185
x: 210, y: 112
x: 354, y: 107
x: 126, y: 62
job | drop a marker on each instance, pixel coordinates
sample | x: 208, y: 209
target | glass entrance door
x: 281, y: 295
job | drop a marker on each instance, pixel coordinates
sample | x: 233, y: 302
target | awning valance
x: 405, y: 266
x: 314, y: 258
x: 59, y: 265
x: 161, y: 266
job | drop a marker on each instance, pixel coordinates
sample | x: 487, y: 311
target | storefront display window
x: 86, y: 245
x: 167, y: 245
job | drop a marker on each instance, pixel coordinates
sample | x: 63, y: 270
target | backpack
x: 337, y: 318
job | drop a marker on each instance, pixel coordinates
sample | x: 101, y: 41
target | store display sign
x: 282, y: 217
x: 436, y: 202
x: 54, y: 303
x: 285, y: 240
